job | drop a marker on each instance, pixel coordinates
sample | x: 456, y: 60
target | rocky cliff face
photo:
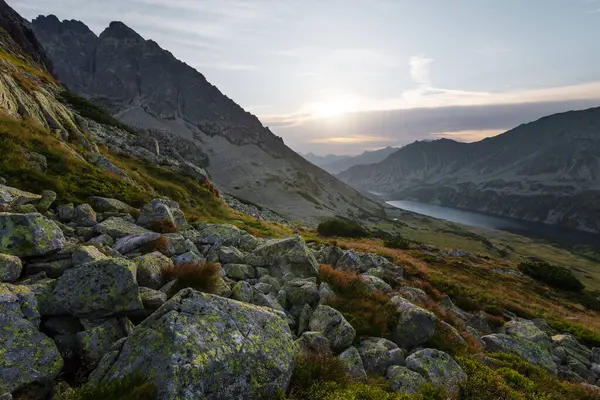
x: 147, y: 87
x: 546, y: 171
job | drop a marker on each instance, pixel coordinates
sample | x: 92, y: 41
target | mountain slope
x: 322, y: 161
x: 145, y: 86
x: 546, y: 171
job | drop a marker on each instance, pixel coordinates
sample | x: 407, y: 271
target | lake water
x: 562, y: 236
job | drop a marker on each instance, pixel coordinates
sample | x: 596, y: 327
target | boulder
x: 230, y: 255
x: 353, y: 363
x: 10, y: 268
x: 150, y: 268
x: 266, y: 300
x: 103, y: 204
x: 176, y: 244
x: 27, y: 356
x: 414, y: 326
x: 103, y: 240
x: 530, y: 351
x: 403, y: 380
x: 313, y: 342
x: 99, y: 289
x: 152, y: 299
x: 94, y: 342
x: 378, y: 354
x: 414, y: 295
x: 332, y: 324
x: 239, y: 271
x: 118, y: 228
x: 128, y: 244
x: 206, y: 347
x: 29, y: 235
x: 86, y: 254
x: 11, y: 197
x: 242, y: 291
x: 66, y: 212
x: 376, y: 284
x: 162, y: 215
x: 302, y: 291
x: 216, y: 235
x: 84, y: 215
x: 281, y: 256
x: 329, y: 255
x: 48, y: 198
x: 527, y: 330
x: 363, y: 262
x: 437, y: 368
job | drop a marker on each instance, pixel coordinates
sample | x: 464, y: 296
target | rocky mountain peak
x: 118, y: 30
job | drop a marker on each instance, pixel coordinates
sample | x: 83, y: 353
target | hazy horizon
x: 380, y: 73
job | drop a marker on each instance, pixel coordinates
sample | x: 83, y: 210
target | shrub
x: 134, y: 387
x: 314, y: 369
x: 341, y: 227
x: 203, y: 277
x: 552, y: 275
x: 370, y: 313
x: 397, y: 243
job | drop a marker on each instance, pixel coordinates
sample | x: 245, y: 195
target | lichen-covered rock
x: 28, y: 235
x: 175, y: 244
x: 242, y: 291
x: 325, y: 293
x: 94, y: 342
x: 152, y: 299
x: 216, y: 235
x: 414, y: 295
x: 530, y: 351
x: 103, y: 240
x: 48, y: 198
x: 189, y: 257
x: 103, y: 204
x: 329, y: 255
x: 66, y: 212
x: 573, y: 348
x: 86, y: 254
x: 414, y: 326
x: 378, y: 354
x: 11, y: 197
x: 376, y: 284
x: 230, y: 255
x: 302, y: 291
x: 206, y: 347
x: 128, y: 244
x: 161, y: 213
x: 248, y: 242
x: 353, y: 363
x: 526, y: 330
x: 334, y: 327
x: 437, y: 368
x: 363, y: 262
x: 150, y: 268
x: 26, y: 355
x: 99, y: 289
x: 10, y: 268
x: 304, y: 317
x: 281, y: 256
x: 118, y: 228
x: 85, y: 215
x: 403, y: 380
x: 239, y: 271
x: 313, y: 342
x: 266, y: 300
x: 595, y: 355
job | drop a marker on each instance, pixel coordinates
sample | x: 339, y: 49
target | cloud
x: 351, y: 139
x: 469, y: 135
x: 419, y: 70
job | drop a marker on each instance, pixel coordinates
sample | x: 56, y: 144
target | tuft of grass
x: 203, y: 277
x: 341, y: 227
x: 397, y: 242
x: 164, y: 227
x: 133, y: 387
x: 370, y: 313
x: 315, y: 369
x: 553, y: 275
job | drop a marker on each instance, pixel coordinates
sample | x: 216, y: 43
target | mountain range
x: 336, y: 164
x: 545, y: 171
x: 146, y: 87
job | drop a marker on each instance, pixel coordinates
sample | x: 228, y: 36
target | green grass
x: 129, y: 388
x: 89, y: 110
x: 341, y: 227
x: 553, y: 275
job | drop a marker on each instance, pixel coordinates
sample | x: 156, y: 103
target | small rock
x: 118, y: 228
x: 66, y: 213
x: 104, y: 240
x: 239, y: 271
x: 176, y: 244
x: 162, y: 215
x: 189, y: 257
x: 150, y: 268
x: 231, y: 255
x: 43, y: 204
x: 103, y: 204
x: 242, y: 291
x: 304, y: 318
x: 93, y: 343
x: 152, y: 299
x: 378, y: 354
x: 313, y: 342
x: 86, y: 254
x: 302, y: 291
x: 128, y: 244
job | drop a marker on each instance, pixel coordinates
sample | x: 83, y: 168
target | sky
x: 345, y: 76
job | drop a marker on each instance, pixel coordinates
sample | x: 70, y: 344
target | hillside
x: 546, y: 171
x: 146, y: 87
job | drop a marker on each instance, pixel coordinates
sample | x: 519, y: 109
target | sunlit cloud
x: 469, y: 135
x: 354, y: 139
x: 419, y: 70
